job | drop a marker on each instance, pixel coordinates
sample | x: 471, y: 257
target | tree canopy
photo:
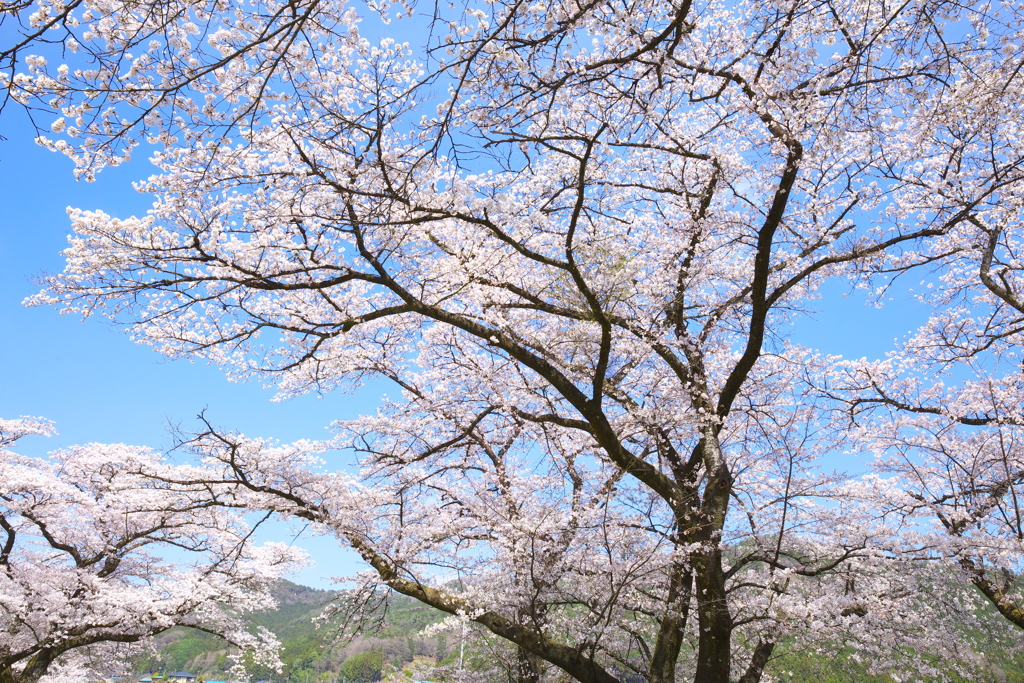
x: 576, y: 236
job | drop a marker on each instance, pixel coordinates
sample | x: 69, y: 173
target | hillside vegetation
x: 311, y: 650
x: 314, y: 651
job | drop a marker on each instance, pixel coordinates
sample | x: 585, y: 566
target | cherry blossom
x: 576, y: 238
x: 84, y: 537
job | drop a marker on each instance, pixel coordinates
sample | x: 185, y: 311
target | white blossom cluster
x: 82, y: 575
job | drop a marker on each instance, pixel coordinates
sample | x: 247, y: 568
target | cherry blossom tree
x: 81, y: 567
x: 575, y: 567
x: 575, y: 236
x: 942, y: 411
x: 943, y: 415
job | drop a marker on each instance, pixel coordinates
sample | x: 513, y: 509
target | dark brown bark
x: 758, y: 660
x: 714, y: 642
x: 714, y: 646
x: 673, y: 627
x: 37, y: 666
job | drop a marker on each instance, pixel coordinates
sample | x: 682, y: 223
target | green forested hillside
x: 393, y: 644
x: 311, y: 651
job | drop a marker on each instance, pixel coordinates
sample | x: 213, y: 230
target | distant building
x: 181, y: 677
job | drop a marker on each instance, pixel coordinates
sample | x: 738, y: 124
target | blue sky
x: 91, y: 379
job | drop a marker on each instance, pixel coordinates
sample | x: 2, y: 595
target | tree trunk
x: 713, y: 619
x: 757, y: 662
x: 673, y: 627
x: 36, y: 666
x: 528, y: 667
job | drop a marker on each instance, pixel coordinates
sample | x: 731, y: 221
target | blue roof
x: 181, y: 674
